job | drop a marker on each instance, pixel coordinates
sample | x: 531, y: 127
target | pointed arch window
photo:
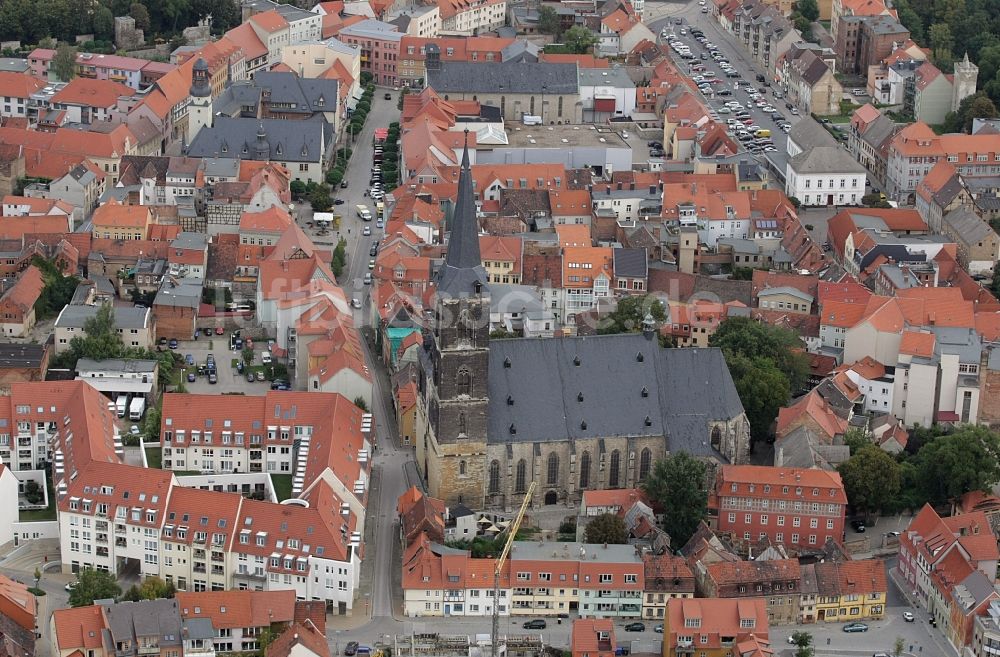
x: 494, y: 477
x: 553, y: 469
x: 585, y: 470
x: 613, y: 480
x: 519, y: 476
x: 463, y: 381
x: 645, y: 462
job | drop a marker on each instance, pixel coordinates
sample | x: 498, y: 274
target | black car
x: 858, y: 525
x: 338, y: 201
x: 351, y: 648
x: 388, y: 96
x: 213, y: 378
x: 760, y: 78
x: 279, y: 384
x: 537, y: 624
x: 635, y: 627
x: 250, y: 377
x: 191, y: 377
x: 343, y: 184
x: 374, y: 250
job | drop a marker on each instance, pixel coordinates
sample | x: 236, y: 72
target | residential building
x: 22, y: 362
x: 850, y: 590
x: 117, y: 376
x: 18, y: 606
x: 379, y: 44
x: 718, y: 627
x: 17, y: 305
x: 978, y: 244
x: 811, y: 84
x: 667, y: 577
x: 764, y: 31
x: 281, y: 95
x: 797, y: 508
x: 81, y: 187
x: 776, y: 580
x: 86, y: 100
x: 868, y: 141
x: 16, y: 91
x: 826, y: 175
x: 135, y: 325
x: 593, y: 638
x: 463, y: 17
x: 114, y: 221
x: 587, y: 277
x: 941, y: 192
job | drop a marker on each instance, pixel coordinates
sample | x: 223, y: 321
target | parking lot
x: 229, y: 380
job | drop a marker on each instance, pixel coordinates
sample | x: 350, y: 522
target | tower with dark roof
x: 460, y: 357
x: 200, y: 107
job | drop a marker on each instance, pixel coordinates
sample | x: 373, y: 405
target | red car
x: 219, y: 330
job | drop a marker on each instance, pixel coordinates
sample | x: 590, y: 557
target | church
x: 570, y: 413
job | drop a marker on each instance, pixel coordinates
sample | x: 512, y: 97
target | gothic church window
x: 463, y: 381
x: 494, y: 477
x: 645, y: 459
x: 585, y: 470
x: 553, y: 469
x: 615, y: 466
x: 519, y: 476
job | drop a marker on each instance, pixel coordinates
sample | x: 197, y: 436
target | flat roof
x: 114, y: 384
x: 571, y: 551
x: 561, y: 136
x: 21, y: 355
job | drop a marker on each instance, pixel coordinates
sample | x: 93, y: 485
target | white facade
x: 833, y: 188
x: 711, y: 230
x: 9, y: 508
x: 476, y: 17
x: 459, y: 602
x: 582, y: 299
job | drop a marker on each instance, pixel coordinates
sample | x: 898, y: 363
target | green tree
x: 871, y: 479
x: 340, y: 257
x: 151, y: 425
x: 139, y: 12
x: 104, y: 23
x: 910, y: 20
x: 58, y: 290
x: 93, y: 585
x: 548, y: 20
x: 762, y: 388
x: 174, y: 9
x: 153, y: 588
x: 803, y: 25
x: 898, y: 647
x: 976, y: 106
x: 963, y: 461
x: 809, y: 9
x: 803, y: 644
x: 247, y: 356
x: 606, y: 528
x: 630, y: 312
x: 855, y: 439
x: 942, y: 42
x: 578, y: 39
x: 360, y: 402
x: 64, y: 62
x: 33, y: 492
x: 755, y: 339
x: 677, y: 483
x: 319, y: 198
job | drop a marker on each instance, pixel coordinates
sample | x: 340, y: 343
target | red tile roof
x: 79, y: 628
x: 299, y: 634
x: 91, y: 92
x: 828, y: 483
x: 237, y: 609
x: 25, y: 291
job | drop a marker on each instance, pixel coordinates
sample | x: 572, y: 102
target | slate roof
x: 305, y: 95
x: 125, y: 317
x: 631, y: 263
x: 825, y: 159
x: 463, y: 271
x: 968, y: 224
x: 287, y: 140
x: 684, y: 390
x: 21, y: 355
x: 516, y: 77
x: 808, y: 134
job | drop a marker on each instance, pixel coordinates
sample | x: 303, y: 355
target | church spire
x: 462, y: 273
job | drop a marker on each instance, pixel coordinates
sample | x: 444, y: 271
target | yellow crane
x: 498, y: 566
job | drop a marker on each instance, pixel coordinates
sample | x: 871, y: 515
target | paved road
x: 725, y: 42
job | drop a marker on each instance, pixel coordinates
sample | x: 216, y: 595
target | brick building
x: 777, y: 581
x: 796, y: 507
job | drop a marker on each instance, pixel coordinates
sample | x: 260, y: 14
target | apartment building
x: 135, y: 325
x: 667, y: 577
x: 717, y: 627
x: 544, y: 579
x: 587, y: 275
x: 16, y: 90
x: 796, y: 507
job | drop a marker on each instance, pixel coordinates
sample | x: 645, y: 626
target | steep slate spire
x: 462, y: 273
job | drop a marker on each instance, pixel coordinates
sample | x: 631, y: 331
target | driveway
x: 230, y: 381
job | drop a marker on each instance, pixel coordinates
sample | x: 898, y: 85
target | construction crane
x: 498, y: 566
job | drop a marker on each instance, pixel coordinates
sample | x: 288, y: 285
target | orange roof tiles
x: 573, y: 235
x: 622, y: 498
x: 91, y: 92
x: 270, y: 21
x: 583, y: 264
x: 831, y: 488
x: 237, y: 609
x: 79, y: 628
x: 917, y: 343
x: 861, y: 577
x: 19, y: 85
x: 841, y: 314
x: 814, y: 407
x: 719, y: 619
x: 273, y: 220
x: 115, y: 215
x: 590, y: 636
x: 25, y: 291
x: 299, y: 634
x: 569, y: 202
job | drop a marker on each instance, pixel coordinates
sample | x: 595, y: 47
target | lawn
x: 282, y: 486
x: 48, y: 513
x: 154, y: 457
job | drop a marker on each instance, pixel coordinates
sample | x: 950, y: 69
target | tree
x: 93, y: 585
x: 910, y: 20
x: 756, y: 339
x: 33, y: 492
x: 360, y: 402
x: 803, y: 25
x: 954, y: 464
x: 153, y: 588
x: 803, y: 644
x: 898, y: 646
x: 64, y: 62
x: 762, y: 389
x: 104, y: 23
x: 809, y: 9
x: 606, y: 528
x: 942, y: 42
x: 871, y: 479
x: 855, y: 439
x: 247, y: 356
x: 319, y: 198
x: 139, y: 12
x: 677, y: 483
x: 548, y: 21
x: 630, y: 312
x: 174, y: 9
x: 578, y: 39
x: 340, y: 257
x: 976, y: 106
x: 151, y: 425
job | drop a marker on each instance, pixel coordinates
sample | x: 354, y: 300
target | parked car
x: 855, y: 627
x: 658, y: 629
x: 191, y: 377
x: 635, y: 627
x: 858, y: 525
x: 134, y: 430
x: 355, y: 302
x: 173, y: 343
x: 351, y: 648
x: 219, y: 330
x: 388, y: 96
x: 250, y: 377
x: 213, y: 378
x: 536, y: 624
x: 374, y: 249
x: 909, y: 617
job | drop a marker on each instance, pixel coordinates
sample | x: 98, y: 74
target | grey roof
x: 786, y: 289
x: 808, y: 134
x: 882, y: 25
x: 462, y: 273
x: 298, y: 95
x: 221, y: 167
x: 509, y: 298
x: 545, y: 378
x: 189, y: 240
x: 126, y: 317
x: 825, y: 159
x: 198, y: 628
x: 285, y: 140
x: 116, y: 365
x: 878, y: 131
x: 968, y: 225
x: 185, y: 293
x: 504, y: 77
x: 20, y: 355
x: 611, y: 77
x: 373, y: 29
x: 520, y: 51
x: 570, y: 551
x: 13, y: 65
x: 631, y: 262
x: 962, y: 342
x: 292, y: 14
x: 127, y: 621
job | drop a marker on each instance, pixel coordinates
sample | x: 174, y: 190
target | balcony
x: 120, y: 530
x: 200, y: 568
x: 101, y: 525
x: 218, y: 570
x: 218, y: 558
x: 121, y: 542
x: 102, y: 538
x: 102, y: 551
x: 198, y: 554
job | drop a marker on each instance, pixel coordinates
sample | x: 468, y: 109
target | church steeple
x: 462, y: 274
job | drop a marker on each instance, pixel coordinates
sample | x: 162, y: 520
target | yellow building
x: 850, y: 591
x: 115, y: 221
x: 501, y: 258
